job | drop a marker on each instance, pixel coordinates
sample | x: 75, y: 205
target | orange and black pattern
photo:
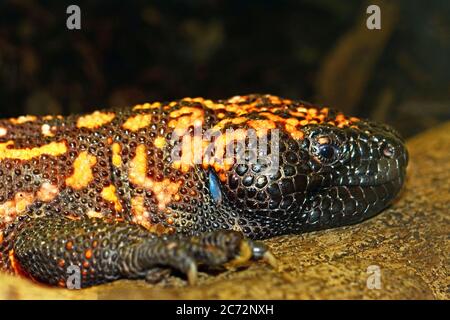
x: 104, y: 191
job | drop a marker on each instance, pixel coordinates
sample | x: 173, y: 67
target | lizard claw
x: 260, y: 251
x: 271, y: 260
x: 192, y: 274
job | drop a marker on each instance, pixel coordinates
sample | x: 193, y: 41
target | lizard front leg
x: 46, y: 247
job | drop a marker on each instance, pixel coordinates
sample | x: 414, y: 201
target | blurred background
x: 316, y: 50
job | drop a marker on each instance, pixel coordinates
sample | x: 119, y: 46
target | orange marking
x: 23, y: 119
x: 236, y: 99
x: 137, y: 122
x: 184, y: 118
x: 145, y: 106
x: 213, y: 106
x: 223, y: 123
x: 15, y: 265
x: 69, y: 245
x: 222, y: 176
x: 300, y: 114
x: 218, y: 159
x: 94, y: 214
x: 95, y: 120
x: 88, y: 254
x: 140, y: 215
x: 73, y: 217
x: 342, y: 121
x: 82, y: 174
x: 290, y: 124
x: 47, y: 192
x: 195, y: 150
x: 191, y: 152
x: 116, y: 158
x: 239, y: 110
x: 109, y: 194
x: 47, y: 130
x: 22, y: 201
x: 51, y: 149
x: 12, y: 260
x: 163, y: 190
x: 61, y: 263
x: 208, y: 103
x: 304, y: 122
x: 312, y: 111
x: 10, y: 209
x: 261, y: 126
x: 160, y: 142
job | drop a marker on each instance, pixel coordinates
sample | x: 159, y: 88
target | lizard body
x: 126, y: 193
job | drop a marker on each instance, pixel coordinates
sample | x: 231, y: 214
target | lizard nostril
x: 388, y: 150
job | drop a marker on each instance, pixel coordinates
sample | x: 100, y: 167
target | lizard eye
x: 324, y: 150
x: 214, y: 187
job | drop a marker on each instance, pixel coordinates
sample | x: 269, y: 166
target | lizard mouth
x: 386, y: 170
x: 372, y: 192
x: 370, y: 181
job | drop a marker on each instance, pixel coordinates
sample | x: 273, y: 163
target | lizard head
x: 269, y: 166
x: 326, y: 173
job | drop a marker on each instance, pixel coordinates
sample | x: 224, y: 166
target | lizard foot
x: 223, y: 248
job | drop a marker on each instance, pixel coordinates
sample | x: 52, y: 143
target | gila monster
x: 138, y: 192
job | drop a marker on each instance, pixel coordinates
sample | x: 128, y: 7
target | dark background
x: 317, y: 50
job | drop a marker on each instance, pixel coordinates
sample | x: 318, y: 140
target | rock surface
x: 409, y: 243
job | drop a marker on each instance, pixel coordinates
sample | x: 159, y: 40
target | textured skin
x: 105, y: 192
